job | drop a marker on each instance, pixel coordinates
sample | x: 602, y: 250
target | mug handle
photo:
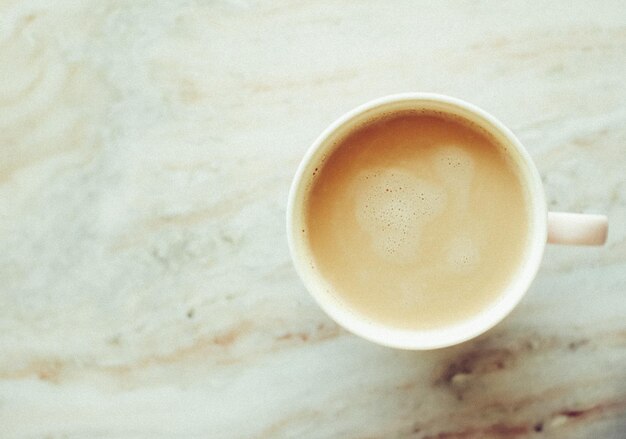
x: 577, y: 228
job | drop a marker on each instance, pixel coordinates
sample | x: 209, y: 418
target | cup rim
x: 447, y: 335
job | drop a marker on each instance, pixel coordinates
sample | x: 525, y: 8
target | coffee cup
x: 542, y: 226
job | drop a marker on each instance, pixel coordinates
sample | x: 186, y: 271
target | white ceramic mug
x: 558, y: 228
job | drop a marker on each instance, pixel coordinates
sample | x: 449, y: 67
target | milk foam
x: 456, y: 169
x: 462, y: 254
x: 392, y: 205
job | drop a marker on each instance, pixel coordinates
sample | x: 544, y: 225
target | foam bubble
x: 462, y: 254
x: 455, y: 167
x: 392, y: 205
x: 453, y: 162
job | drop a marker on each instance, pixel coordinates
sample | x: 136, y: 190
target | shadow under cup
x: 322, y: 290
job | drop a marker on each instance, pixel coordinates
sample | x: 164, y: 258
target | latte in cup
x: 417, y: 220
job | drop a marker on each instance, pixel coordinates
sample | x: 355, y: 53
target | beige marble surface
x: 146, y: 151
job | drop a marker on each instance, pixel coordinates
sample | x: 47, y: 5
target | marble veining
x: 146, y: 151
